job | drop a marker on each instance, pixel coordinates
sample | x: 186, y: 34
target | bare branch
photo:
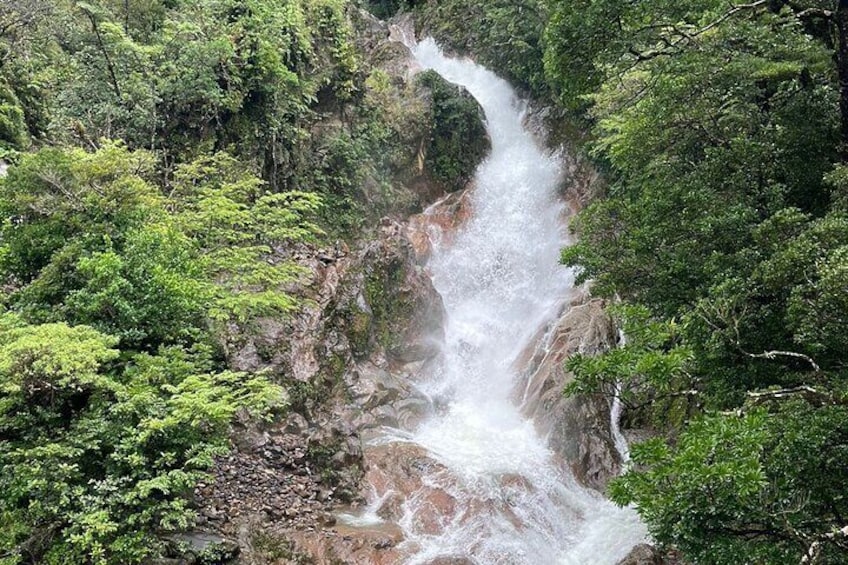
x: 684, y: 36
x: 814, y: 552
x: 109, y: 66
x: 808, y: 393
x: 730, y: 13
x: 775, y: 354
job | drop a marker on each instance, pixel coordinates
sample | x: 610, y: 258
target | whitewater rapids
x: 501, y: 281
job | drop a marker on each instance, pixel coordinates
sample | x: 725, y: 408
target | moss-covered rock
x: 458, y: 140
x: 386, y: 8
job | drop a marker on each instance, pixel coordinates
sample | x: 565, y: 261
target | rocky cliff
x: 372, y: 322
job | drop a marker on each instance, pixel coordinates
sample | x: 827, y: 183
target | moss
x: 358, y: 324
x: 303, y: 395
x: 266, y: 350
x: 458, y: 139
x: 13, y: 129
x: 390, y: 308
x: 336, y: 367
x: 332, y: 471
x: 218, y: 554
x: 384, y: 9
x: 506, y: 37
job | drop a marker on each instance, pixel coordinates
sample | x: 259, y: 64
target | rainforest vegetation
x: 162, y: 153
x: 149, y: 145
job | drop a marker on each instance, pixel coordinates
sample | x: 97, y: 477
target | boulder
x: 439, y: 223
x: 578, y: 427
x: 644, y: 554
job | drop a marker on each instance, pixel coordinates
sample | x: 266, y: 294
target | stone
x: 450, y: 560
x: 643, y: 554
x: 439, y: 223
x: 578, y: 427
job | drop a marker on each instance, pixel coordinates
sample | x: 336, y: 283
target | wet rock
x: 578, y: 427
x: 458, y: 141
x: 434, y: 509
x: 376, y: 545
x: 450, y: 561
x: 439, y: 223
x: 370, y: 322
x: 348, y: 358
x: 407, y: 313
x: 644, y: 554
x: 386, y: 399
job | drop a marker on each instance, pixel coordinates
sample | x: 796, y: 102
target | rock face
x: 435, y: 129
x: 644, y: 554
x: 371, y: 320
x: 578, y: 427
x: 438, y: 223
x: 370, y: 324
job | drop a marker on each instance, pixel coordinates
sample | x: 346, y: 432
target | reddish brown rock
x: 438, y: 224
x: 578, y: 427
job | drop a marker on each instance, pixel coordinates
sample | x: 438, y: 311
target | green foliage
x: 90, y: 241
x: 127, y: 266
x: 13, y: 131
x: 506, y: 35
x: 101, y: 447
x: 724, y: 226
x: 185, y: 79
x: 385, y: 9
x: 87, y: 240
x: 391, y: 128
x: 97, y: 457
x: 758, y: 488
x: 237, y: 225
x: 649, y: 373
x: 458, y: 139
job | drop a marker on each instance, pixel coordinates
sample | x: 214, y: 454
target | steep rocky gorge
x: 373, y: 322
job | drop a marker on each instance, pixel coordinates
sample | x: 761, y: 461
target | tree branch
x: 684, y: 36
x: 808, y: 393
x: 814, y: 552
x: 730, y: 13
x: 775, y: 354
x: 110, y: 67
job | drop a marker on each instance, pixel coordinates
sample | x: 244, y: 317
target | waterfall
x: 500, y: 281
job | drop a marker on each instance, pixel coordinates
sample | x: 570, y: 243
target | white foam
x: 501, y: 280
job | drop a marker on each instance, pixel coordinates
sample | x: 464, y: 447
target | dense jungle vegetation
x: 722, y: 238
x: 161, y: 152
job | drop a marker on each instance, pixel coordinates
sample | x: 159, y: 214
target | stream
x: 501, y: 282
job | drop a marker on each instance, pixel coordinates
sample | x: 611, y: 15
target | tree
x: 760, y: 487
x: 238, y: 226
x: 721, y: 128
x: 96, y: 457
x: 87, y: 240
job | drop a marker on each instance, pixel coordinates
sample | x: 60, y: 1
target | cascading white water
x: 500, y: 281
